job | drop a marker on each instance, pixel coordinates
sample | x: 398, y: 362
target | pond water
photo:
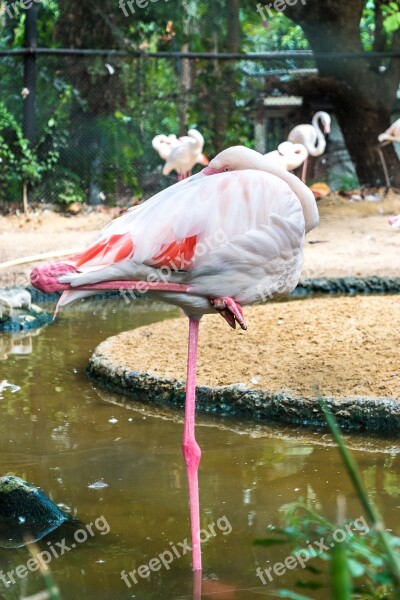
x: 118, y: 466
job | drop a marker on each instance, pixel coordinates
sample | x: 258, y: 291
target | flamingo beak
x: 203, y: 160
x: 327, y: 129
x: 210, y: 171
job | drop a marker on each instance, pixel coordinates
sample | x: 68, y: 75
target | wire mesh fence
x: 95, y: 117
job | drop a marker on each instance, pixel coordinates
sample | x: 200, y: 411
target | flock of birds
x: 183, y: 153
x: 214, y: 242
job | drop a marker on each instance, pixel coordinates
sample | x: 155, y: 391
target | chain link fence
x: 95, y: 117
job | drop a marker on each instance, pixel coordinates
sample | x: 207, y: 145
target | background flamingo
x: 392, y: 134
x: 228, y: 236
x: 289, y: 156
x: 163, y: 144
x: 184, y: 156
x: 311, y: 136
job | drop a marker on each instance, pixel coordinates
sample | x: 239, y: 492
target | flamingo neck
x: 321, y: 142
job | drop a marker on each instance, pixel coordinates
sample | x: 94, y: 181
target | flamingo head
x: 326, y: 122
x: 236, y: 158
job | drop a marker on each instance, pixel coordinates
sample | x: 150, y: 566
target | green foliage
x: 282, y: 33
x: 65, y: 188
x: 368, y: 27
x: 20, y: 162
x: 391, y: 13
x: 365, y: 560
x: 358, y: 559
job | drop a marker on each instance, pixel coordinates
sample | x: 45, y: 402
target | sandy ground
x: 353, y: 238
x: 333, y: 346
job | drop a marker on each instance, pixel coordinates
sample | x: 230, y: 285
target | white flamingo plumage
x: 290, y: 156
x: 164, y: 144
x: 392, y: 134
x: 228, y: 236
x: 184, y: 156
x: 311, y: 136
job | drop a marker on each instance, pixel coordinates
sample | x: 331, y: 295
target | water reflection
x: 19, y: 343
x: 63, y: 433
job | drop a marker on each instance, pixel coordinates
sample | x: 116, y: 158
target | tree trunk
x: 360, y: 129
x: 185, y: 82
x: 226, y: 75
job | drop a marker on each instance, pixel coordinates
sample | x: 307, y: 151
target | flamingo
x: 184, y: 156
x: 392, y: 134
x: 228, y: 236
x: 163, y: 144
x: 312, y: 137
x: 289, y: 155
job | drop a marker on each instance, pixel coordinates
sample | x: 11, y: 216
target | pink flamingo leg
x: 304, y: 171
x: 190, y: 448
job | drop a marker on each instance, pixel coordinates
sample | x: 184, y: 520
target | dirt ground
x: 353, y: 238
x: 330, y: 346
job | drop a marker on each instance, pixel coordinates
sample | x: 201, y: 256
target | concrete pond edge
x: 352, y: 413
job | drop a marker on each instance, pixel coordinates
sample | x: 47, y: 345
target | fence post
x: 29, y: 93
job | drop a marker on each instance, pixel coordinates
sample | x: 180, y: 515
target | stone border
x: 357, y: 413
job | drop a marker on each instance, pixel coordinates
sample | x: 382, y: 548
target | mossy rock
x: 26, y: 512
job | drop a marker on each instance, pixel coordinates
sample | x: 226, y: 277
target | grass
x: 363, y: 562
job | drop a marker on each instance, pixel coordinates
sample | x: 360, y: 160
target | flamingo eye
x: 225, y: 169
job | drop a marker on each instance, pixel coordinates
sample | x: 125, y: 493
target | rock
x: 5, y: 310
x: 17, y: 312
x: 26, y: 511
x: 16, y: 298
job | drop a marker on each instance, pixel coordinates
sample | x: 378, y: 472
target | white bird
x: 184, y: 156
x: 392, y: 134
x: 229, y: 236
x: 164, y: 144
x: 289, y: 156
x: 311, y: 136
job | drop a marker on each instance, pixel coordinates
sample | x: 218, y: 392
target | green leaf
x: 356, y: 568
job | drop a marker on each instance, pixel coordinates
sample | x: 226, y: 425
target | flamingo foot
x: 230, y: 310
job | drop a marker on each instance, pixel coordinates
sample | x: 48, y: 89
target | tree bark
x: 362, y: 95
x: 225, y: 73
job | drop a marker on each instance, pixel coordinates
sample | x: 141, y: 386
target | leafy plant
x: 364, y: 563
x: 22, y: 164
x: 64, y: 188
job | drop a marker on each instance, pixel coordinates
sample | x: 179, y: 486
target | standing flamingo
x: 184, y: 156
x: 312, y: 137
x: 288, y: 155
x: 392, y: 134
x: 228, y: 236
x: 164, y: 144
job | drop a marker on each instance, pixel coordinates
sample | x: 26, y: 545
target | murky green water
x: 61, y: 433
